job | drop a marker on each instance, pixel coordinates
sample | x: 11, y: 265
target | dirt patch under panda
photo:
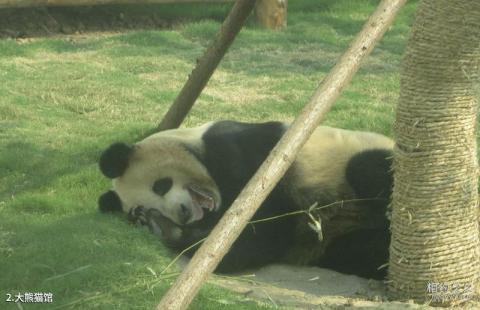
x: 316, y: 288
x: 302, y: 287
x: 312, y: 288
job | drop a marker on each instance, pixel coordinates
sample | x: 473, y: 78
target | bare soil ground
x: 302, y: 287
x: 313, y: 288
x: 317, y: 288
x: 33, y: 22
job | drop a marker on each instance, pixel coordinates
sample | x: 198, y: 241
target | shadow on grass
x: 29, y: 167
x: 26, y: 167
x: 77, y: 257
x: 47, y: 21
x: 318, y: 46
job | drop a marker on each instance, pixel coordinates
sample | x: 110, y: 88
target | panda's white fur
x: 162, y: 155
x: 209, y: 165
x: 323, y: 159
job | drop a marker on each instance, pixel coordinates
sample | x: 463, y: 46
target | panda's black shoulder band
x: 109, y: 202
x: 114, y: 160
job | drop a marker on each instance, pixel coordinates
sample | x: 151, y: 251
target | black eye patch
x: 162, y: 186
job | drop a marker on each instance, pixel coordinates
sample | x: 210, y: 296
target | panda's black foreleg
x: 159, y: 225
x: 244, y: 255
x: 259, y: 245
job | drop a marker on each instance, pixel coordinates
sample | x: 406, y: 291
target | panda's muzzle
x: 184, y: 214
x: 201, y: 201
x: 189, y: 214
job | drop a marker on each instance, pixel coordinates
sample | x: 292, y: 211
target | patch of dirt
x: 316, y: 288
x: 311, y: 288
x: 303, y: 287
x: 47, y: 21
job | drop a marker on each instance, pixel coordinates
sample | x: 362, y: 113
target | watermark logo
x: 442, y: 292
x: 28, y: 297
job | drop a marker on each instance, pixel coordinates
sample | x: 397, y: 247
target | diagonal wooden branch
x: 230, y: 226
x: 207, y: 65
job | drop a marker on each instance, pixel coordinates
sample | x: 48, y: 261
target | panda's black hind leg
x: 369, y: 174
x: 362, y: 252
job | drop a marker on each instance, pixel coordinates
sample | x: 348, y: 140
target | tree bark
x: 207, y: 65
x: 434, y: 253
x: 271, y: 14
x: 230, y: 226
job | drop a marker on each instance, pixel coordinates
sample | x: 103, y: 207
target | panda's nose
x: 184, y: 214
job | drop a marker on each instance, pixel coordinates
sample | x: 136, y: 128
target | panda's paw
x: 155, y: 223
x: 138, y: 216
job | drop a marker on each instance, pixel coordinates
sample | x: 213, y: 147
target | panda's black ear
x: 109, y: 202
x: 114, y: 160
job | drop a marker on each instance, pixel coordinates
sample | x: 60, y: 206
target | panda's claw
x: 138, y: 215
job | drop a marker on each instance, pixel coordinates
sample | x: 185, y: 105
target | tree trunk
x: 434, y: 253
x: 272, y: 14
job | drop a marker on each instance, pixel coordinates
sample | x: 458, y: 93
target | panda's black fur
x: 221, y: 157
x: 114, y: 161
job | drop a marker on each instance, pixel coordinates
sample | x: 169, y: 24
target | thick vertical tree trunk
x: 434, y: 253
x: 272, y: 14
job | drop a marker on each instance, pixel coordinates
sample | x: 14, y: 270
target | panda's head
x: 160, y: 173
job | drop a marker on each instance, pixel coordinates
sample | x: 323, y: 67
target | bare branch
x: 207, y: 65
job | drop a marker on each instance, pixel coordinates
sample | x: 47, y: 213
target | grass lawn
x: 64, y: 99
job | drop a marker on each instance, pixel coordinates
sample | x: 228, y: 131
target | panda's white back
x: 321, y: 163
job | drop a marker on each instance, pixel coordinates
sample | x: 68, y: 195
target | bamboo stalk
x: 207, y: 65
x: 230, y: 226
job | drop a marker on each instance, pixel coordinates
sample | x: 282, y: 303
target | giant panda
x: 180, y: 182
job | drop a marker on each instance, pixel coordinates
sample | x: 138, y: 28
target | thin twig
x: 341, y: 202
x: 181, y: 253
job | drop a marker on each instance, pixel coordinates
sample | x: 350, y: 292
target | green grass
x: 63, y: 100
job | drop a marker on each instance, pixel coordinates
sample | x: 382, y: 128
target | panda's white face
x: 163, y: 175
